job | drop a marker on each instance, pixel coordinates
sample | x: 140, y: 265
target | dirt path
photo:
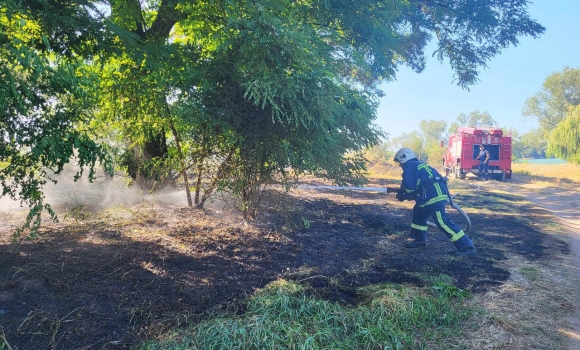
x: 563, y: 201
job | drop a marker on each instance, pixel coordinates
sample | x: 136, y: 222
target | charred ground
x: 112, y: 279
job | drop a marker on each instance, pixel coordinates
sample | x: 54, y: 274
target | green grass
x: 284, y: 316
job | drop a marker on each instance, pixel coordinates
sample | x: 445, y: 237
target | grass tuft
x: 284, y: 316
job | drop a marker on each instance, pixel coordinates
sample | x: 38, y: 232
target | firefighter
x: 483, y: 158
x: 423, y: 184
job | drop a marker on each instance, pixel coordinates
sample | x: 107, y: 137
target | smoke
x: 107, y: 192
x: 103, y: 193
x: 8, y: 205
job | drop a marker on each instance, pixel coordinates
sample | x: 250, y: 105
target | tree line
x: 221, y: 95
x: 555, y: 108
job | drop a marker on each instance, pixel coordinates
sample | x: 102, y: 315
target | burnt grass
x: 108, y: 281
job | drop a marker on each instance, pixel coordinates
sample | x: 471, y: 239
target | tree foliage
x: 427, y: 141
x: 473, y: 119
x: 235, y: 92
x: 531, y: 144
x: 433, y: 132
x: 414, y: 140
x: 559, y: 92
x: 470, y: 33
x: 44, y: 101
x: 564, y: 140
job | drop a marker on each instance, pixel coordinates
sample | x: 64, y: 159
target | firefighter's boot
x: 466, y: 252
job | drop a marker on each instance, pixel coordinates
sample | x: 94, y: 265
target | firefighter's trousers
x: 443, y: 222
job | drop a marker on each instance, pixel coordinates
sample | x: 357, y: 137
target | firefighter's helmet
x: 404, y: 154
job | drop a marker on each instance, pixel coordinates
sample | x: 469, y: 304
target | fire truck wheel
x: 459, y: 174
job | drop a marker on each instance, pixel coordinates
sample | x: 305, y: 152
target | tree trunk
x: 221, y: 173
x: 181, y: 163
x: 199, y: 170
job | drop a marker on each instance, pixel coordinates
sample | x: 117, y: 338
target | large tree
x: 268, y: 84
x: 549, y: 106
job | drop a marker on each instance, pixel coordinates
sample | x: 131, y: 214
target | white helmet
x: 404, y: 154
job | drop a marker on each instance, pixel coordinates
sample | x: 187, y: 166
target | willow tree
x: 564, y: 140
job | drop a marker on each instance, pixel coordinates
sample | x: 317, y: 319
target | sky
x: 510, y: 78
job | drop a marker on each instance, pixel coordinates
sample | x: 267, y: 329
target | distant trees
x: 555, y: 108
x: 433, y: 133
x: 549, y: 106
x: 426, y: 142
x: 414, y: 140
x: 531, y: 144
x: 473, y: 119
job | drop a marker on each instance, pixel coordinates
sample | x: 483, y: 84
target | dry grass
x: 553, y: 173
x: 526, y: 311
x: 530, y: 310
x: 384, y: 171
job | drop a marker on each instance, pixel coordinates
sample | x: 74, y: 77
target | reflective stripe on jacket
x: 422, y: 180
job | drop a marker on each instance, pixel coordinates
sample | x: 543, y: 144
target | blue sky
x: 510, y: 78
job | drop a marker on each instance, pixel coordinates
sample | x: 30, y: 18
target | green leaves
x: 470, y: 33
x: 43, y: 102
x: 555, y: 107
x: 564, y: 140
x: 239, y: 91
x: 559, y: 92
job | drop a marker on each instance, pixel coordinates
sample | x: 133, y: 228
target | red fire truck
x: 463, y: 148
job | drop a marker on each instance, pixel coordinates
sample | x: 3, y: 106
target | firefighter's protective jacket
x: 424, y: 182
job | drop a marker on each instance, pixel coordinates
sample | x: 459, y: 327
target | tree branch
x: 167, y: 17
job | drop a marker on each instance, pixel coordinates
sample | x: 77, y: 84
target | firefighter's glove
x: 403, y: 196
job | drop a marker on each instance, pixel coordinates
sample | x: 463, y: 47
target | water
x: 540, y: 161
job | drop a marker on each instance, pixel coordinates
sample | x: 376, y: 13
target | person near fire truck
x: 423, y: 184
x: 483, y: 158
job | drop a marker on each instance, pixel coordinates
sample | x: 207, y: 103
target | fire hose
x: 463, y: 214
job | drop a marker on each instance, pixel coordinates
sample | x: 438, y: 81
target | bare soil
x: 112, y: 279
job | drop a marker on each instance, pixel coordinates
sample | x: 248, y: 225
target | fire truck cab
x: 463, y: 148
